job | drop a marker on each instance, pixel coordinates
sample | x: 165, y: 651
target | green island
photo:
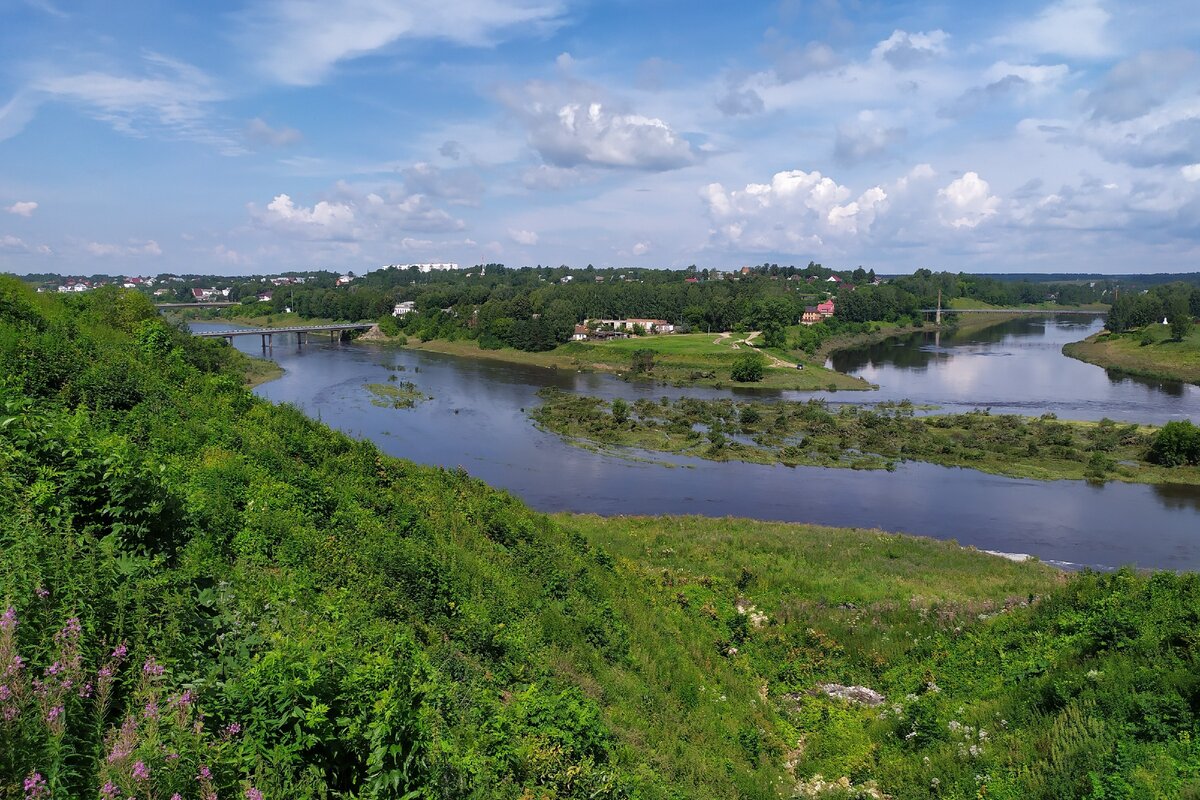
x: 1149, y: 334
x: 1150, y: 352
x: 206, y: 594
x: 395, y: 394
x: 863, y: 437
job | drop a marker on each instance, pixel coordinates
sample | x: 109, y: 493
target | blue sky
x: 236, y: 137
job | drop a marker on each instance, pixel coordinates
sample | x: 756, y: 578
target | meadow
x: 1149, y: 352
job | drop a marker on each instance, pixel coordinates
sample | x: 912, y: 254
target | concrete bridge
x: 1076, y: 311
x: 201, y: 304
x: 301, y: 331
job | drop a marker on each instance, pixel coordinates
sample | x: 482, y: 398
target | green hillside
x: 206, y: 595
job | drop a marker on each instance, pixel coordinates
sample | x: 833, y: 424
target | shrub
x: 748, y: 368
x: 1178, y: 443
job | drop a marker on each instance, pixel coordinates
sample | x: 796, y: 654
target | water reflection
x: 1013, y: 366
x: 478, y: 419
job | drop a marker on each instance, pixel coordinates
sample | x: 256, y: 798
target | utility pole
x: 938, y: 318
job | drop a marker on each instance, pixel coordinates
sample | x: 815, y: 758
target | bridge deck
x: 1092, y: 313
x: 349, y: 326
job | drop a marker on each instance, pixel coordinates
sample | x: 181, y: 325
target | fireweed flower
x: 152, y: 668
x: 253, y: 794
x: 35, y: 787
x: 109, y: 791
x: 141, y: 772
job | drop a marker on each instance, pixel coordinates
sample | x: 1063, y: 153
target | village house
x: 580, y: 334
x: 265, y: 297
x: 344, y: 279
x: 649, y: 325
x: 825, y: 309
x: 810, y: 316
x: 407, y: 307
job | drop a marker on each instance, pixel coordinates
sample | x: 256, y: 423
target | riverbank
x: 696, y: 359
x: 1161, y: 358
x: 853, y: 437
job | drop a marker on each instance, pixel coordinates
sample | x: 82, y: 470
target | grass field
x: 1163, y: 358
x: 698, y: 359
x: 968, y: 303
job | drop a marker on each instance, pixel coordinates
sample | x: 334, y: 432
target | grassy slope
x: 1166, y: 359
x: 986, y: 695
x: 678, y: 357
x: 968, y: 303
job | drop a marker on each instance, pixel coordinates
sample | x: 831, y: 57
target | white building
x: 424, y: 267
x: 407, y: 307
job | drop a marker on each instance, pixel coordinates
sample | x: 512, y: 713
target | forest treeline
x: 537, y: 308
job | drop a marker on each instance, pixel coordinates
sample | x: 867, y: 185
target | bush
x: 748, y: 368
x: 1178, y: 443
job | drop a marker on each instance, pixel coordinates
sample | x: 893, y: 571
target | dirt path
x: 776, y: 362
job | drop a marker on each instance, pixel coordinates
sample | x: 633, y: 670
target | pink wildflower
x: 35, y: 787
x: 151, y: 709
x: 152, y: 668
x: 42, y: 592
x: 109, y: 791
x: 8, y: 620
x: 253, y: 794
x: 141, y: 772
x: 119, y: 651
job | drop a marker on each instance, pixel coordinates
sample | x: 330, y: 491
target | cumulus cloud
x: 640, y: 248
x: 134, y: 247
x: 22, y: 208
x: 1191, y: 172
x: 905, y: 50
x: 527, y: 238
x: 865, y: 139
x: 967, y: 201
x: 571, y: 125
x: 354, y: 215
x: 796, y: 210
x: 1076, y: 28
x: 298, y: 42
x: 258, y: 131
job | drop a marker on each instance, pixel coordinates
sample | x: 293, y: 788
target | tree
x: 1179, y: 317
x: 747, y: 368
x: 1176, y: 444
x: 642, y: 360
x: 620, y: 411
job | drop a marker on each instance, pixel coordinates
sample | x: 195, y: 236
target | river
x: 477, y: 418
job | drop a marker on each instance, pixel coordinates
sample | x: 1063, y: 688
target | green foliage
x: 642, y: 360
x: 1177, y: 443
x: 748, y: 368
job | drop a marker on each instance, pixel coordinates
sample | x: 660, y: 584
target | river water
x: 477, y: 418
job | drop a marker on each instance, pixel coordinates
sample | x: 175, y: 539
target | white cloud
x: 13, y: 244
x: 1069, y: 27
x: 796, y: 210
x: 641, y: 248
x: 527, y: 238
x: 355, y: 215
x: 865, y: 138
x: 544, y: 176
x: 571, y: 125
x: 1041, y: 75
x: 298, y: 42
x: 134, y: 247
x: 172, y: 98
x: 257, y: 130
x: 967, y: 201
x: 905, y: 50
x: 1191, y: 172
x: 23, y: 208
